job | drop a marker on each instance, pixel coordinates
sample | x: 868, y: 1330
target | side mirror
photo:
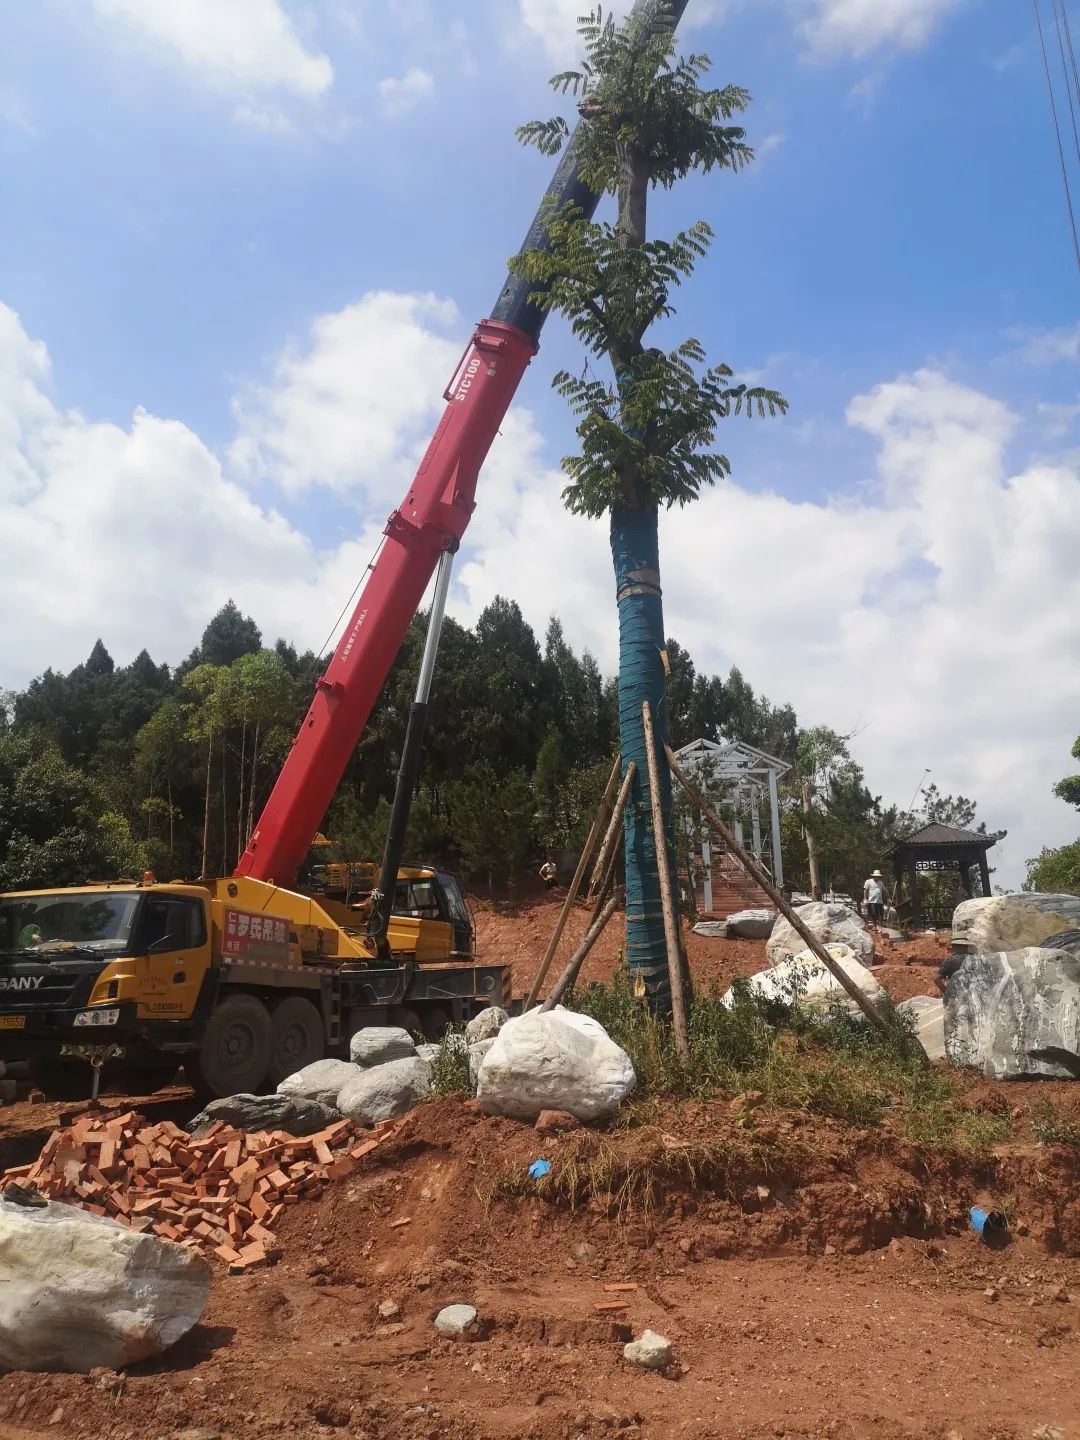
x: 167, y: 942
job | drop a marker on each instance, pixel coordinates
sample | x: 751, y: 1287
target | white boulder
x: 78, y: 1291
x: 558, y: 1060
x: 712, y: 929
x: 806, y: 981
x: 831, y: 924
x: 649, y: 1350
x: 1016, y: 1015
x: 384, y: 1091
x: 455, y: 1320
x: 927, y: 1015
x: 428, y: 1053
x: 752, y: 924
x: 477, y: 1053
x: 486, y: 1025
x: 322, y: 1080
x: 1013, y: 922
x: 377, y: 1044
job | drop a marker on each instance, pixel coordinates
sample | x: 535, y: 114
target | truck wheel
x: 297, y: 1037
x: 235, y: 1053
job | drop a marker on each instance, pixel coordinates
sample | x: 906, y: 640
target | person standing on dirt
x: 549, y: 873
x: 874, y: 897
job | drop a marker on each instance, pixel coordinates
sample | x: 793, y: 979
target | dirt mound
x: 830, y: 1289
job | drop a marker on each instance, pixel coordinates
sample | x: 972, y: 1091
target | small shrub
x: 450, y: 1068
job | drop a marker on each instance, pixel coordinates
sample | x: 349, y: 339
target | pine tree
x: 646, y: 439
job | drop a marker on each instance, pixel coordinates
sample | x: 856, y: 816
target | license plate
x: 12, y: 1022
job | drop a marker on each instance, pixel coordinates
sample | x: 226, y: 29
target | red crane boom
x: 430, y: 521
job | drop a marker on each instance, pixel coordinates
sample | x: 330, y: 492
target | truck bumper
x: 31, y: 1034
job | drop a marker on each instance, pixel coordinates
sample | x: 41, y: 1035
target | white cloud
x: 769, y: 145
x: 268, y: 119
x: 936, y: 616
x: 856, y: 27
x: 399, y: 94
x: 934, y: 608
x: 1053, y: 347
x: 239, y: 47
x: 351, y: 409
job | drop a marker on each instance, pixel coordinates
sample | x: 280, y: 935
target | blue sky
x: 220, y: 224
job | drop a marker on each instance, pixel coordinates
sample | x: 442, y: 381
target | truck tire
x: 235, y: 1053
x: 297, y: 1037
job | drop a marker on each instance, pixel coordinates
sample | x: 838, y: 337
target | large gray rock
x: 477, y: 1053
x: 320, y: 1081
x: 377, y: 1044
x: 1066, y: 940
x: 559, y: 1060
x: 1013, y: 922
x: 294, y: 1115
x: 385, y: 1091
x: 829, y: 923
x: 78, y: 1291
x: 752, y: 924
x: 805, y: 981
x: 1016, y: 1015
x: 712, y: 929
x: 927, y: 1016
x: 486, y: 1025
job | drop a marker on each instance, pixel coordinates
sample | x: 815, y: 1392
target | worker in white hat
x: 873, y: 892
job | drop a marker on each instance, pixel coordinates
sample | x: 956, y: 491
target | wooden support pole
x: 570, y: 974
x: 575, y: 884
x: 608, y: 847
x: 789, y: 913
x: 605, y: 885
x: 671, y: 914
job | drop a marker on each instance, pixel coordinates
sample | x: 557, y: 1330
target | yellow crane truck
x: 238, y: 981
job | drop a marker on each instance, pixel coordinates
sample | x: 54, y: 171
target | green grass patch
x: 820, y: 1063
x: 1050, y: 1127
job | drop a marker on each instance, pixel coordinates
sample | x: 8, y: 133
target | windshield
x: 52, y: 922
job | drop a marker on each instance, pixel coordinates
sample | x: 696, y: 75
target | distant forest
x: 109, y: 770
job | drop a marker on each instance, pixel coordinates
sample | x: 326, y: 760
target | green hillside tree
x: 646, y: 437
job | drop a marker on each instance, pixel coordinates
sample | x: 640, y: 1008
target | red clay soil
x: 834, y: 1290
x: 518, y: 936
x: 839, y: 1295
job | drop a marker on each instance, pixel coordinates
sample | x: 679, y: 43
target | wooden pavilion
x: 934, y: 850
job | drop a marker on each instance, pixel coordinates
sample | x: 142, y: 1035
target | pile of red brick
x: 221, y: 1194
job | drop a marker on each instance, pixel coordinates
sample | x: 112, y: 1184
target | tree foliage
x: 647, y: 438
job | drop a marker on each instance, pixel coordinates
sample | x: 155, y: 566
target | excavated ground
x: 815, y: 1280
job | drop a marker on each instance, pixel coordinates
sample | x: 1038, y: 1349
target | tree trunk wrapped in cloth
x: 647, y: 437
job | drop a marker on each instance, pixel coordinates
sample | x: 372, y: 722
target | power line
x: 1059, y: 9
x: 1072, y: 52
x: 1057, y: 133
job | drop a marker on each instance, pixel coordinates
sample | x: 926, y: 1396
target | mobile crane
x: 245, y: 979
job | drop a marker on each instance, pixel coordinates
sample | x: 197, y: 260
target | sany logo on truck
x: 467, y: 379
x: 21, y: 982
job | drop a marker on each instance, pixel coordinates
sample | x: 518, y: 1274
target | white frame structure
x: 745, y: 774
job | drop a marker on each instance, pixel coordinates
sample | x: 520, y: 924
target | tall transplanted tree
x: 647, y: 438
